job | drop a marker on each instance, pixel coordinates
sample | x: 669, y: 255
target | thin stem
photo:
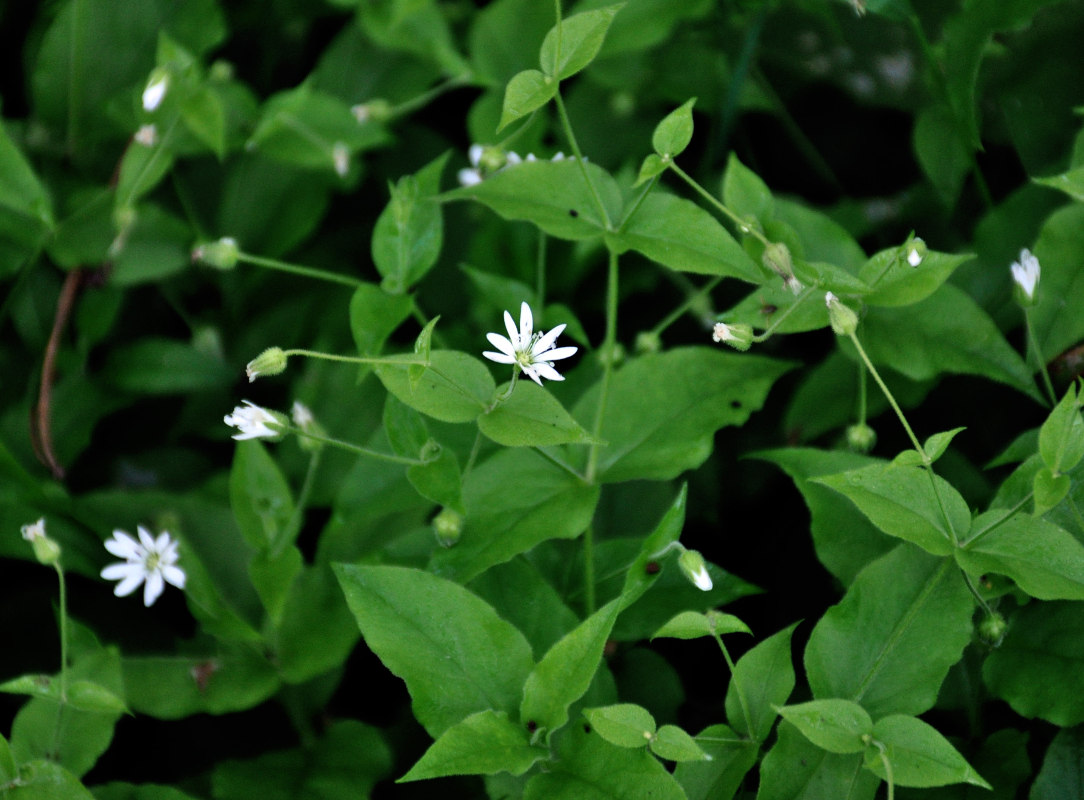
x: 507, y: 392
x: 891, y: 400
x: 741, y: 223
x: 293, y: 527
x: 567, y: 127
x: 888, y: 770
x: 975, y: 593
x: 770, y: 330
x: 737, y: 685
x: 862, y: 409
x: 63, y: 701
x: 356, y: 449
x: 589, y: 569
x: 557, y: 462
x: 690, y: 300
x: 400, y: 358
x: 296, y: 269
x: 636, y: 206
x: 423, y: 99
x: 994, y: 525
x: 607, y: 350
x: 1033, y: 341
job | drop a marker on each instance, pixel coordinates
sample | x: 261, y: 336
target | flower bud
x: 448, y: 527
x: 695, y: 569
x: 648, y: 343
x: 992, y: 629
x: 271, y: 361
x: 1025, y: 274
x: 739, y: 336
x: 220, y: 71
x: 843, y: 320
x: 861, y: 438
x: 222, y: 254
x: 155, y: 90
x: 302, y: 416
x: 376, y: 110
x: 340, y: 159
x: 916, y: 251
x: 613, y: 355
x: 777, y: 258
x: 46, y: 551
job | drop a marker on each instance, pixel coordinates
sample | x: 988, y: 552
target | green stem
x: 402, y: 358
x: 423, y: 99
x: 975, y: 593
x: 63, y: 659
x: 690, y: 300
x: 636, y: 205
x: 862, y: 407
x: 507, y: 392
x: 296, y: 269
x: 567, y: 127
x: 356, y: 449
x: 891, y: 400
x: 743, y: 226
x: 1033, y: 341
x: 608, y: 345
x: 888, y: 770
x: 293, y: 527
x: 994, y: 525
x: 737, y: 685
x: 770, y: 330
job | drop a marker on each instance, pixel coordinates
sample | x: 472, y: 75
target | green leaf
x: 640, y: 577
x: 679, y: 234
x: 205, y: 118
x: 946, y: 332
x: 1049, y: 489
x: 919, y: 755
x: 374, y: 316
x: 22, y: 196
x: 155, y: 365
x: 439, y: 480
x: 574, y: 42
x: 1061, y: 437
x: 894, y: 282
x: 83, y: 695
x: 527, y: 91
x: 673, y: 134
x: 484, y: 743
x: 838, y: 726
x: 1071, y: 182
x: 906, y: 502
x: 157, y: 246
x: 763, y: 679
x: 455, y: 654
x: 550, y: 194
x: 943, y: 157
x: 260, y: 496
x: 566, y: 671
x: 409, y: 233
x: 315, y: 632
x: 934, y: 447
x: 796, y: 769
x: 671, y: 405
x: 531, y: 417
x: 455, y: 388
x: 731, y: 758
x: 515, y: 500
x: 1044, y: 560
x: 9, y: 770
x: 1058, y: 315
x: 652, y: 165
x: 745, y: 193
x: 420, y: 27
x: 624, y: 724
x: 42, y: 779
x: 119, y: 790
x: 844, y: 538
x: 892, y: 639
x: 674, y: 744
x: 694, y: 625
x: 1063, y: 767
x: 345, y: 762
x: 590, y: 768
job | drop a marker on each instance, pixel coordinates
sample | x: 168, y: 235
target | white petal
x: 546, y: 340
x: 161, y: 544
x: 475, y: 154
x: 124, y: 546
x: 513, y: 334
x: 558, y: 353
x: 147, y: 540
x: 500, y: 358
x: 502, y: 344
x: 153, y: 590
x: 117, y: 572
x: 468, y: 177
x: 512, y: 159
x: 526, y: 324
x: 174, y: 576
x: 702, y: 580
x: 129, y: 584
x: 548, y: 372
x: 532, y: 373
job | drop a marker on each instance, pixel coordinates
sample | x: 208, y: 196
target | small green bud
x: 695, y: 569
x: 915, y: 250
x: 220, y: 71
x: 271, y: 361
x: 614, y: 356
x: 46, y: 551
x: 222, y: 254
x: 777, y: 258
x: 992, y: 629
x: 622, y: 104
x: 861, y: 438
x: 448, y: 527
x: 376, y: 110
x: 738, y: 336
x: 843, y: 320
x: 648, y: 343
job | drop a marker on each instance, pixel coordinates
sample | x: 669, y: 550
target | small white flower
x: 914, y: 258
x: 147, y: 135
x: 1026, y: 274
x: 472, y: 175
x: 34, y: 531
x: 155, y: 91
x: 302, y: 415
x: 150, y: 561
x: 252, y: 421
x: 340, y: 157
x: 830, y: 298
x: 532, y: 352
x: 702, y: 579
x: 695, y: 569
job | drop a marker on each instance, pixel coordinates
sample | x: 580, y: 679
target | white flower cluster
x: 486, y: 161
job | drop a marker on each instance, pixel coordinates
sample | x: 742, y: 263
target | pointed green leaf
x: 409, y: 232
x: 528, y: 91
x: 260, y: 497
x: 679, y: 234
x: 374, y: 316
x: 1061, y: 437
x: 919, y: 755
x: 674, y: 744
x: 1058, y: 316
x: 205, y: 119
x: 9, y: 770
x: 455, y: 654
x: 455, y: 388
x: 565, y: 672
x: 718, y: 779
x: 892, y: 639
x: 673, y: 134
x: 838, y: 726
x: 640, y: 577
x: 745, y: 193
x: 439, y: 480
x: 796, y: 769
x: 574, y: 42
x: 1063, y: 767
x: 624, y: 724
x: 906, y: 502
x: 1044, y: 560
x: 484, y: 743
x: 531, y: 417
x: 652, y: 165
x: 763, y: 679
x: 1049, y: 490
x: 894, y: 282
x: 83, y: 695
x: 42, y: 779
x: 1071, y: 182
x: 694, y: 625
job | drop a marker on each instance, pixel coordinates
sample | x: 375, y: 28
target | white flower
x: 1026, y: 274
x: 914, y: 258
x: 155, y: 91
x: 147, y: 135
x: 472, y: 175
x: 150, y: 561
x: 252, y: 421
x: 532, y: 352
x: 34, y: 531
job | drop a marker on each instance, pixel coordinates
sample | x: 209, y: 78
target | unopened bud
x: 695, y: 569
x: 648, y: 343
x: 843, y: 320
x: 222, y: 254
x: 916, y: 251
x: 46, y: 551
x: 377, y: 110
x: 448, y: 527
x: 340, y: 159
x: 777, y: 258
x: 1025, y: 274
x: 992, y: 629
x: 738, y: 336
x: 612, y: 355
x: 155, y: 90
x: 303, y: 418
x: 861, y: 438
